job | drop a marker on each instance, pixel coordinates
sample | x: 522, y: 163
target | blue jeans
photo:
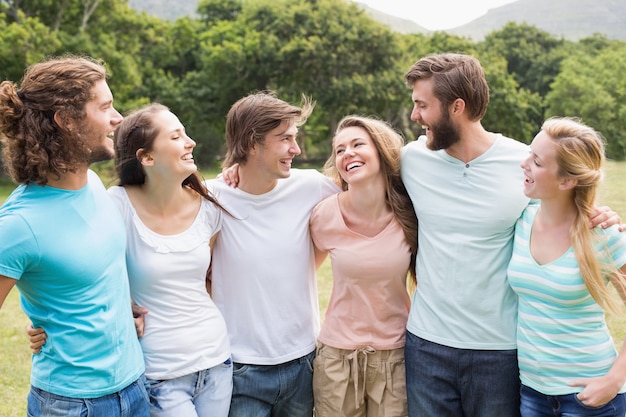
x: 448, y: 382
x: 205, y: 393
x: 536, y: 404
x: 132, y: 401
x: 284, y: 390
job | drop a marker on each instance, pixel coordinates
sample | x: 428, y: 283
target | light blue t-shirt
x: 562, y: 334
x: 466, y: 215
x: 66, y: 248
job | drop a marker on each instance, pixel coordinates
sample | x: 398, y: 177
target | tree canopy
x: 330, y: 50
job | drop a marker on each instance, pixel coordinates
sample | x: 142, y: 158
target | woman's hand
x: 37, y: 338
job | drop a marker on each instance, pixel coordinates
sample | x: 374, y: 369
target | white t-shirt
x: 184, y: 330
x: 264, y: 279
x: 466, y: 216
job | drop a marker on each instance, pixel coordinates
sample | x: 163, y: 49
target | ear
x: 568, y: 183
x: 457, y: 107
x: 145, y: 158
x: 62, y: 122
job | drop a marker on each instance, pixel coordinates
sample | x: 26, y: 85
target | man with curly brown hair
x: 62, y: 241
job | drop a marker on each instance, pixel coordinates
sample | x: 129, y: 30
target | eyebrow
x: 284, y: 132
x: 107, y: 102
x: 350, y: 141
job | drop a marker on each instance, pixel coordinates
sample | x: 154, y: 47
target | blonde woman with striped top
x: 560, y: 269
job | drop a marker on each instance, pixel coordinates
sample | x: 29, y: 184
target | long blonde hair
x: 388, y: 144
x: 580, y: 156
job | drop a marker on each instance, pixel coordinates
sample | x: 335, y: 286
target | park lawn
x: 15, y: 355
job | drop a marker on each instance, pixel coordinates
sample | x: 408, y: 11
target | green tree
x: 593, y: 88
x: 533, y: 56
x: 213, y: 11
x: 23, y: 44
x: 330, y: 50
x: 513, y: 111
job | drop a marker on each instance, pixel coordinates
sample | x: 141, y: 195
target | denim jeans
x: 536, y: 404
x: 205, y: 393
x: 132, y: 401
x: 448, y: 382
x: 284, y: 390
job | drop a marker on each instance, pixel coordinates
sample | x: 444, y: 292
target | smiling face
x: 171, y: 153
x: 427, y: 111
x: 356, y: 156
x: 100, y: 121
x: 274, y: 156
x: 541, y: 168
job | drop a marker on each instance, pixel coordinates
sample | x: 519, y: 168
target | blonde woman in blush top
x: 369, y: 230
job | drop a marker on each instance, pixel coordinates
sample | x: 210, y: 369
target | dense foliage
x: 328, y: 49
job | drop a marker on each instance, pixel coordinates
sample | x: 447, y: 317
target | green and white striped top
x: 561, y: 332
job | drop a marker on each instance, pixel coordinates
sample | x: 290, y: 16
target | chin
x: 284, y: 173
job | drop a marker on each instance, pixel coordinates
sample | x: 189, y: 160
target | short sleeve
x: 18, y: 246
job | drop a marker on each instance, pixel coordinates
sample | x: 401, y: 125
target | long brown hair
x: 138, y: 131
x: 388, y: 144
x: 35, y: 146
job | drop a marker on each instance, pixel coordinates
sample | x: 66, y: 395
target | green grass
x: 15, y: 355
x: 14, y: 358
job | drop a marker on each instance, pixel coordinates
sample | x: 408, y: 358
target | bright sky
x: 436, y: 14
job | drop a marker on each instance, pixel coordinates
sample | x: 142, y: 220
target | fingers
x: 31, y: 331
x: 35, y: 345
x: 231, y: 175
x: 139, y: 325
x: 36, y: 337
x: 139, y: 310
x: 605, y: 217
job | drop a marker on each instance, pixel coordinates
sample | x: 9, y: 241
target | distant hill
x: 396, y: 23
x: 570, y: 19
x: 166, y: 9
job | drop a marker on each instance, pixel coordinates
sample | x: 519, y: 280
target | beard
x: 100, y: 153
x: 444, y: 133
x: 95, y: 149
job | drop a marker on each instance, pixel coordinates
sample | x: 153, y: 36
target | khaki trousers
x: 359, y: 383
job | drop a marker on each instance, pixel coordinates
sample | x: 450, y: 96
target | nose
x: 190, y: 142
x: 117, y: 118
x: 349, y: 151
x: 415, y: 114
x: 294, y: 149
x: 524, y: 163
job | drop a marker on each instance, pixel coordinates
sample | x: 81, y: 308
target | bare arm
x: 6, y: 284
x: 139, y: 316
x: 36, y: 337
x: 320, y: 256
x: 209, y: 272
